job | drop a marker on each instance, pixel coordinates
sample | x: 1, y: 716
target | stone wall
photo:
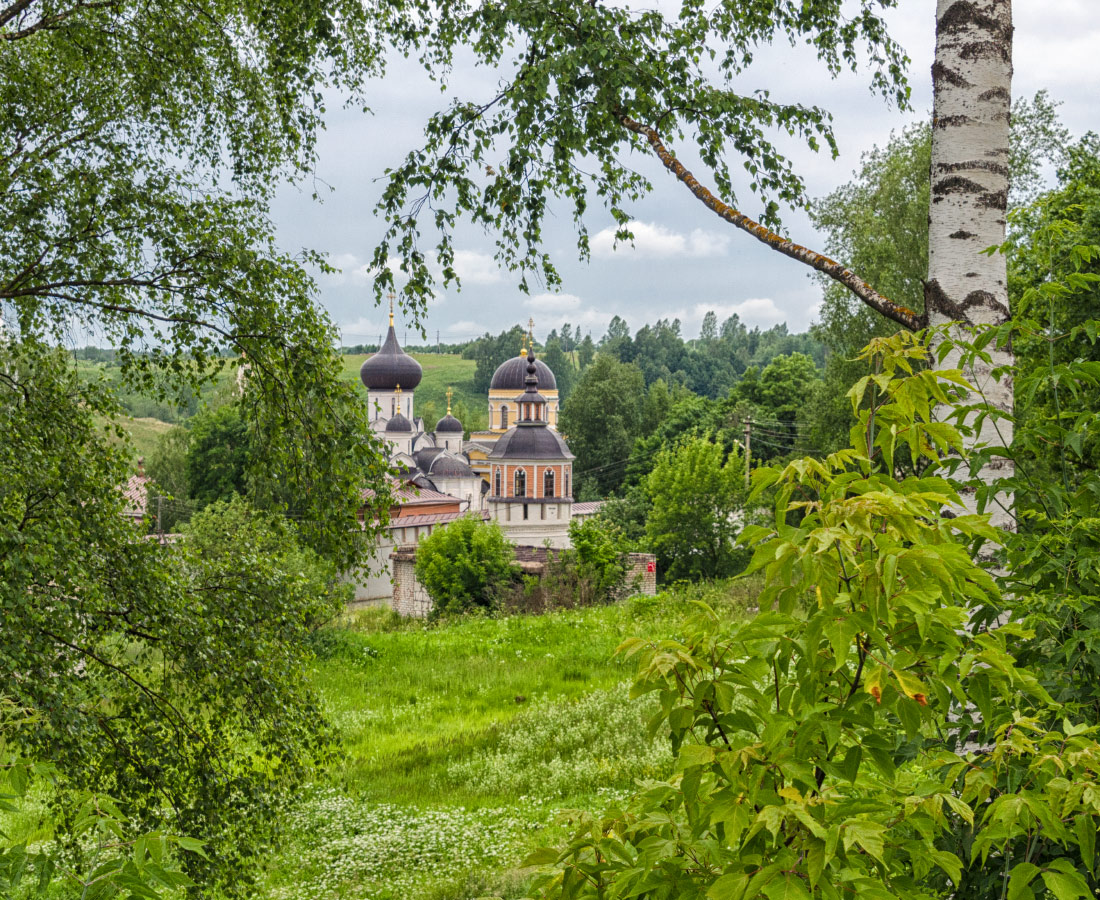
x: 410, y: 598
x: 641, y: 577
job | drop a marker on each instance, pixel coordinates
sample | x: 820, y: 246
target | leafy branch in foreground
x: 588, y: 85
x: 859, y: 735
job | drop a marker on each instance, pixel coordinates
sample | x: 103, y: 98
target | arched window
x: 521, y: 483
x: 393, y: 407
x: 527, y: 411
x: 504, y: 417
x: 548, y: 483
x: 496, y: 484
x: 566, y: 482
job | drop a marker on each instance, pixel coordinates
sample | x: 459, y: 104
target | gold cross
x: 450, y: 393
x: 392, y: 296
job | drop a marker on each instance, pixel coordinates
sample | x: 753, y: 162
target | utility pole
x: 160, y: 528
x: 437, y: 340
x: 748, y: 450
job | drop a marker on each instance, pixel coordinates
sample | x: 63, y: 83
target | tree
x: 562, y: 367
x: 171, y: 490
x: 217, y: 459
x: 198, y: 651
x: 586, y: 352
x: 708, y: 331
x: 777, y: 401
x: 971, y: 90
x: 139, y: 149
x: 825, y: 746
x: 601, y: 422
x: 878, y: 225
x: 694, y: 500
x: 464, y: 565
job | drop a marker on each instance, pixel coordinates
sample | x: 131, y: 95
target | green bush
x: 465, y: 565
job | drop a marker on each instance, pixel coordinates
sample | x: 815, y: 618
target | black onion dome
x: 449, y: 424
x: 519, y: 442
x: 511, y: 375
x: 391, y: 366
x: 399, y: 423
x: 449, y: 467
x: 425, y: 455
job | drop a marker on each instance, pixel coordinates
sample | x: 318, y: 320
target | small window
x: 496, y: 484
x: 524, y: 510
x: 521, y: 485
x: 566, y: 482
x: 548, y: 483
x: 393, y: 407
x: 504, y: 417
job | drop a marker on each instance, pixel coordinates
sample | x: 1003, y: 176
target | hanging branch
x: 840, y: 273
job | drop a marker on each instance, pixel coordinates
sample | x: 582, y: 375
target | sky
x: 685, y: 261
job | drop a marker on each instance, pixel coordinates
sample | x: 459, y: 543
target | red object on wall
x: 651, y: 566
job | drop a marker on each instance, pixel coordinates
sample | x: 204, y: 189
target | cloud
x: 363, y: 328
x: 474, y: 267
x: 657, y: 242
x: 353, y: 271
x: 464, y: 330
x: 553, y: 304
x: 761, y: 311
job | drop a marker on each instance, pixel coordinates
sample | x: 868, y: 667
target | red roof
x: 430, y: 519
x: 410, y: 495
x: 136, y: 496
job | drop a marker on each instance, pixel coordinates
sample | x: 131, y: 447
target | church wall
x: 387, y: 403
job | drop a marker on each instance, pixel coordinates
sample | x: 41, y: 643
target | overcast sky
x: 685, y: 261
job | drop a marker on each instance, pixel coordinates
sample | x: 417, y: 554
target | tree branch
x: 842, y: 274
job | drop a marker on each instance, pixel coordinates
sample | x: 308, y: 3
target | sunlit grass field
x: 151, y: 418
x: 462, y: 742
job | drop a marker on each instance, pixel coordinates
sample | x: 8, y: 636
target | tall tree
x: 971, y: 80
x: 601, y: 422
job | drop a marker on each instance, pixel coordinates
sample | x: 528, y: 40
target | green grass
x: 144, y: 433
x: 462, y: 741
x: 441, y: 370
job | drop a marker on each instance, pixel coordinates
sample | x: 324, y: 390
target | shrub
x: 465, y: 565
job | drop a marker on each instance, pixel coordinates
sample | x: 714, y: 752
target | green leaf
x: 543, y: 856
x: 1066, y: 885
x: 729, y: 887
x: 1018, y: 881
x: 1084, y: 827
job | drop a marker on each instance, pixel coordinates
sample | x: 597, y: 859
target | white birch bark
x: 972, y: 77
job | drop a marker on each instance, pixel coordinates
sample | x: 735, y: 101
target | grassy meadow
x: 461, y: 742
x: 150, y: 418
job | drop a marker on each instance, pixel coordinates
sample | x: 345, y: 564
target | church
x: 518, y: 472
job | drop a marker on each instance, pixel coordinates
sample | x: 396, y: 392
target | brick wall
x: 409, y: 596
x: 641, y: 576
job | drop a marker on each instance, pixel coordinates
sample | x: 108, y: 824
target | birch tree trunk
x: 971, y: 79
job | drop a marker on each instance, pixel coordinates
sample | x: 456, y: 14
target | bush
x: 465, y: 565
